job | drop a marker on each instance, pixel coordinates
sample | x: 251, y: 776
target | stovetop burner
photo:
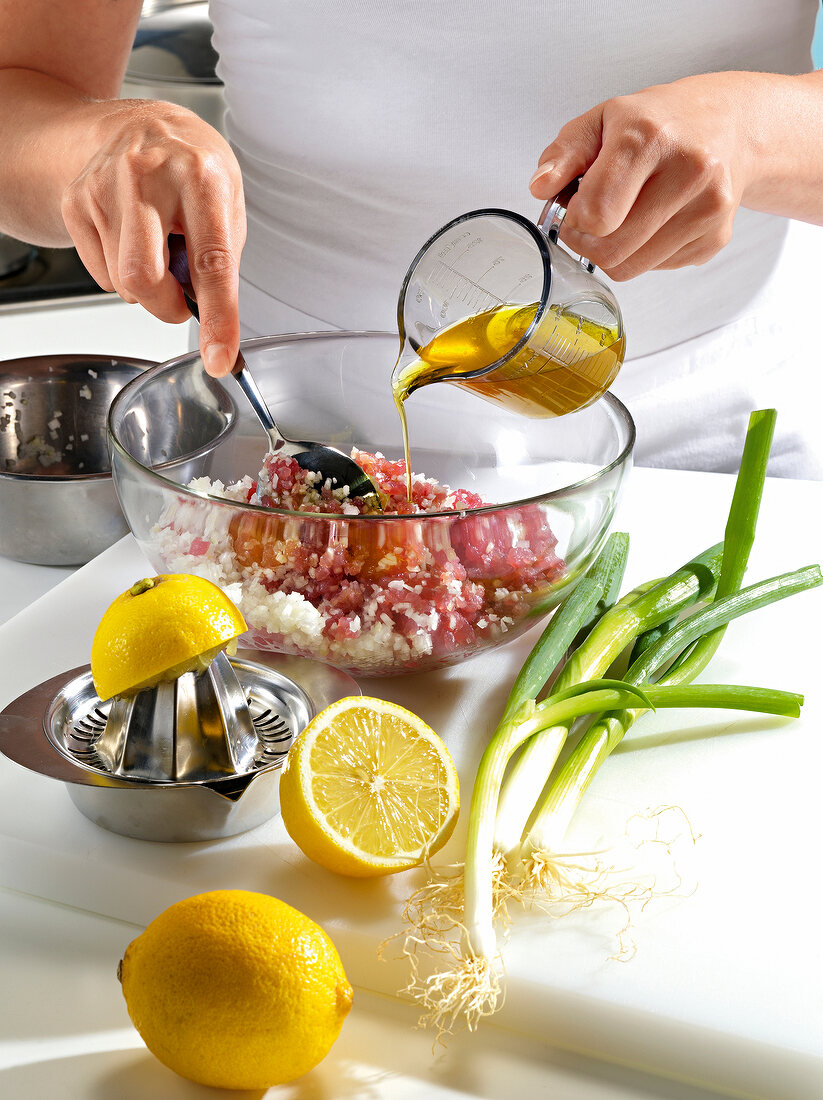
x: 29, y: 275
x: 14, y: 256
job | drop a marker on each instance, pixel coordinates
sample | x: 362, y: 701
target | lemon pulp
x: 368, y: 788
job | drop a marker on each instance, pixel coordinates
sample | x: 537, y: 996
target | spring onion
x: 522, y: 800
x: 555, y: 811
x: 643, y: 609
x: 659, y: 645
x: 471, y: 989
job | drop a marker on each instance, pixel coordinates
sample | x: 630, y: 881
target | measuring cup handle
x: 554, y: 212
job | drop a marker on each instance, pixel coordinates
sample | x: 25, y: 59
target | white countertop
x: 72, y: 896
x: 65, y: 1035
x: 64, y: 1031
x: 22, y: 584
x: 103, y: 325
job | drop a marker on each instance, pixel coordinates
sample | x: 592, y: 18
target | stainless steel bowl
x: 173, y: 58
x: 57, y: 501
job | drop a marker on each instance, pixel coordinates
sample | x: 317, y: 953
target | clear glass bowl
x: 374, y: 595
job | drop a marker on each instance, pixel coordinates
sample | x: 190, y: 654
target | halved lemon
x: 369, y: 789
x: 160, y: 628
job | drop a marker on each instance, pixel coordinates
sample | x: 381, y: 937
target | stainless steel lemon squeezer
x: 198, y: 758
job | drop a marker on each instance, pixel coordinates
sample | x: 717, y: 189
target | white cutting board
x: 725, y: 987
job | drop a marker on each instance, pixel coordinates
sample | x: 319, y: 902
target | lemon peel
x: 235, y: 989
x: 158, y: 629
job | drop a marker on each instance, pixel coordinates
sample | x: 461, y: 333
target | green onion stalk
x: 641, y: 610
x: 563, y: 708
x: 555, y: 811
x: 470, y: 988
x: 656, y: 647
x: 670, y: 643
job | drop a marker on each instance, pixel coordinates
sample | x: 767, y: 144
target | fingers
x: 661, y: 179
x: 121, y: 244
x: 658, y: 201
x: 615, y: 161
x: 610, y: 189
x: 214, y: 248
x: 616, y: 157
x: 695, y: 252
x: 87, y: 226
x: 153, y: 174
x: 214, y: 274
x: 571, y: 154
x: 692, y: 235
x: 90, y: 250
x: 142, y: 264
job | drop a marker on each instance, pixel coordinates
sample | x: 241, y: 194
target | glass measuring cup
x: 495, y: 304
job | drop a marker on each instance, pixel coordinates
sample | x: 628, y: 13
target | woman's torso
x: 362, y: 127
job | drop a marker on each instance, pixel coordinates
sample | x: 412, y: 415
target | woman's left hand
x: 664, y: 171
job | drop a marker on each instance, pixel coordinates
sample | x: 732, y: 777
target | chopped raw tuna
x: 375, y: 596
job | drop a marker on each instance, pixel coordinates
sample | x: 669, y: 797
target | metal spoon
x: 332, y: 465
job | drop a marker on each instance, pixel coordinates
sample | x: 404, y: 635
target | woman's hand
x: 114, y: 176
x: 664, y: 172
x: 159, y: 169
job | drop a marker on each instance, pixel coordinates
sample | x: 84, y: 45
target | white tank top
x: 362, y: 127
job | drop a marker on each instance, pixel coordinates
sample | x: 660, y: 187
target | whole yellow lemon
x: 235, y: 989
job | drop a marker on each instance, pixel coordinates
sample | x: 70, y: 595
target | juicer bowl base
x: 180, y: 814
x: 52, y: 729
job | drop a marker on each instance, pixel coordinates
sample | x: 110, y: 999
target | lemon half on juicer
x: 160, y: 628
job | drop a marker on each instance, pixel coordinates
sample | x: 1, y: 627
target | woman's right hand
x: 159, y: 169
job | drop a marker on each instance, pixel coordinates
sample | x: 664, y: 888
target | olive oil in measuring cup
x: 567, y: 363
x: 494, y: 304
